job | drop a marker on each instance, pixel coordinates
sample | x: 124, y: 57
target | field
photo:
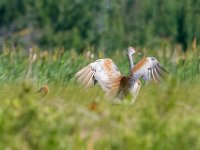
x: 165, y: 116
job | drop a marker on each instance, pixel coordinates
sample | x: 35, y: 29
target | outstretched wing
x: 149, y: 69
x: 102, y: 71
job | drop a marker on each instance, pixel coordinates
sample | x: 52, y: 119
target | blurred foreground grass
x: 165, y: 116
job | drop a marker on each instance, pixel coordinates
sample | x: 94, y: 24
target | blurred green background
x: 43, y: 43
x: 105, y: 24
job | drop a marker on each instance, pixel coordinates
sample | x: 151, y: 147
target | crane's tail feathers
x: 85, y: 76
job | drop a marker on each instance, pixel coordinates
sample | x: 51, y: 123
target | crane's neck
x: 131, y: 65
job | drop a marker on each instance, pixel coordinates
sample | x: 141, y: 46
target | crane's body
x: 107, y: 75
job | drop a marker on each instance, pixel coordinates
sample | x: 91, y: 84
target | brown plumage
x: 106, y: 74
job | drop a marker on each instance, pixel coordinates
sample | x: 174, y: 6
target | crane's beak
x: 139, y: 53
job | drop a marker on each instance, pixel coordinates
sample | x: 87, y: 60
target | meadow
x: 165, y: 116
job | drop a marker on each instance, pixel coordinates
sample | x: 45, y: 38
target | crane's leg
x: 134, y: 98
x: 134, y: 91
x: 116, y: 101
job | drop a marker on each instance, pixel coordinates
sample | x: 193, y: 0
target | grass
x: 165, y: 116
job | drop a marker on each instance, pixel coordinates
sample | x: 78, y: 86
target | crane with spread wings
x: 107, y: 75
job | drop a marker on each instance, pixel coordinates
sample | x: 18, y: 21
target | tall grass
x: 165, y: 116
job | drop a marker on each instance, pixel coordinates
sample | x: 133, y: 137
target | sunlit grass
x: 165, y: 116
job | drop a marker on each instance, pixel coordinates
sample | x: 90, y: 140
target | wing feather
x: 84, y: 75
x: 87, y: 81
x: 80, y: 73
x: 156, y: 76
x: 161, y: 68
x: 102, y: 71
x: 158, y: 71
x: 149, y: 69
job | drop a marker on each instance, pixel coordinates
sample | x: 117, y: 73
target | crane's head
x: 131, y: 51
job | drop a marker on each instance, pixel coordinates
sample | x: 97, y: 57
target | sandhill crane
x: 107, y: 75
